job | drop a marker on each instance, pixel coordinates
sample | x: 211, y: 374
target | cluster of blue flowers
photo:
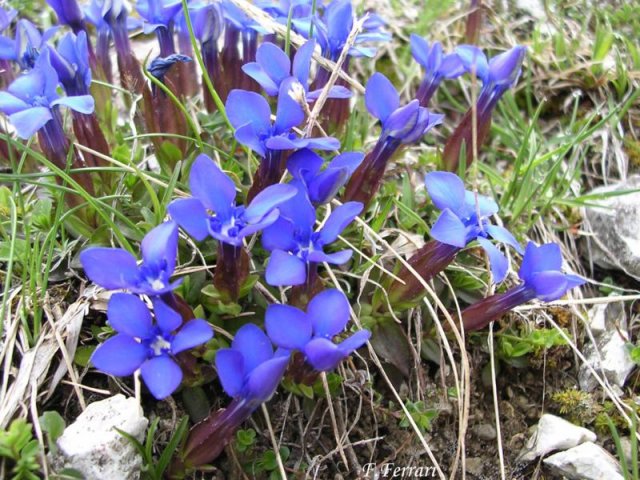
x: 157, y: 333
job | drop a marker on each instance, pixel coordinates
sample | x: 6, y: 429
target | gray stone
x: 609, y: 356
x: 554, y: 433
x: 92, y: 446
x: 615, y: 224
x: 485, y: 431
x: 585, y: 462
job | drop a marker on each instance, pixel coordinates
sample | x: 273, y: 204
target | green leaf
x: 53, y: 425
x: 83, y: 355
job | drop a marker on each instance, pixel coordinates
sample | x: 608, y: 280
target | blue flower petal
x: 111, y: 268
x: 267, y: 200
x: 29, y: 85
x: 230, y: 367
x: 10, y: 104
x: 166, y: 317
x: 381, y: 97
x: 339, y: 219
x: 160, y: 247
x: 321, y: 143
x: 302, y: 61
x: 403, y: 121
x: 285, y: 269
x: 129, y: 315
x: 476, y: 203
x: 255, y: 71
x: 253, y: 344
x: 120, y: 355
x: 264, y: 222
x: 326, y: 185
x: 303, y: 164
x: 191, y: 215
x: 161, y: 375
x: 446, y: 191
x: 264, y: 380
x: 336, y: 258
x: 354, y: 342
x: 274, y: 62
x: 504, y: 69
x: 323, y: 355
x: 195, y: 332
x: 28, y: 122
x: 503, y: 235
x: 244, y: 107
x: 449, y: 229
x: 80, y: 103
x: 420, y: 50
x: 498, y: 262
x: 289, y: 112
x: 541, y: 258
x: 329, y: 313
x: 549, y: 285
x: 348, y: 160
x: 288, y: 327
x: 279, y: 236
x: 247, y: 136
x: 474, y: 60
x: 211, y: 186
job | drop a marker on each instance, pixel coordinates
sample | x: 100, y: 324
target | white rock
x: 609, y: 356
x: 554, y: 433
x: 615, y: 224
x: 585, y: 462
x: 92, y: 446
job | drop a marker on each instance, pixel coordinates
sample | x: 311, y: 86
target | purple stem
x: 269, y: 172
x: 208, y: 438
x: 367, y: 178
x: 487, y: 310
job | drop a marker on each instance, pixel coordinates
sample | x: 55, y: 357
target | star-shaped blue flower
x: 250, y: 370
x: 305, y: 166
x: 465, y: 218
x: 273, y: 66
x: 214, y: 191
x: 142, y: 344
x: 312, y: 332
x: 31, y: 99
x: 115, y: 268
x: 296, y: 246
x: 250, y: 115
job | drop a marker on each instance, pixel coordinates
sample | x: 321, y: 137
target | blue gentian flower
x: 112, y: 21
x: 464, y: 218
x: 542, y: 278
x: 400, y: 126
x: 280, y: 10
x: 142, y: 344
x: 158, y: 13
x: 159, y: 16
x: 250, y: 370
x: 273, y: 66
x: 497, y: 75
x: 250, y: 115
x: 115, y: 268
x: 312, y: 332
x: 31, y: 101
x: 333, y: 27
x: 305, y: 166
x: 25, y: 48
x: 437, y: 66
x: 69, y: 13
x: 406, y: 124
x: 214, y: 191
x: 71, y: 60
x: 296, y: 247
x: 159, y: 66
